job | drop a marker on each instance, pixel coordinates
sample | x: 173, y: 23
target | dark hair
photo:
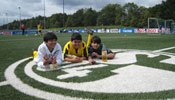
x: 96, y: 39
x: 76, y: 36
x: 49, y: 36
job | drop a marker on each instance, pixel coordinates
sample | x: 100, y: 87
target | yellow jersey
x: 80, y: 52
x: 39, y: 27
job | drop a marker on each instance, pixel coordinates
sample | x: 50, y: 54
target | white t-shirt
x: 43, y: 50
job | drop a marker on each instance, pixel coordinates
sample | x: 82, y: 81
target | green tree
x: 107, y: 15
x: 132, y: 14
x: 90, y: 17
x: 144, y: 15
x: 77, y: 18
x: 119, y: 14
x: 69, y: 22
x: 168, y: 9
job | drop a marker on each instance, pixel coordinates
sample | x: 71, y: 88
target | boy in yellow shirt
x: 75, y: 50
x: 39, y: 29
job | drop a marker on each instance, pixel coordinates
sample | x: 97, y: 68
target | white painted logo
x: 132, y: 78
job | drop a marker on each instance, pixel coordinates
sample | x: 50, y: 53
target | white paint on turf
x: 79, y: 71
x: 129, y: 79
x: 66, y: 66
x: 128, y: 57
x: 164, y: 49
x: 122, y: 82
x: 170, y: 60
x: 4, y: 83
x: 26, y: 89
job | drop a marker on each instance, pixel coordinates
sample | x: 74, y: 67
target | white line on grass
x: 4, y: 83
x: 164, y: 49
x: 130, y: 37
x: 138, y: 79
x: 24, y: 88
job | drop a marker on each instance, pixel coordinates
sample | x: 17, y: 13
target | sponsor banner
x: 5, y: 33
x: 77, y: 31
x: 100, y: 31
x: 31, y: 32
x: 26, y: 32
x: 82, y: 31
x: 141, y: 30
x: 103, y: 30
x: 95, y: 30
x: 127, y: 30
x: 114, y: 30
x: 16, y: 32
x: 151, y: 30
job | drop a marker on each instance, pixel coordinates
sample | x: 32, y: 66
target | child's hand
x: 91, y: 61
x: 53, y: 60
x: 45, y: 62
x: 76, y: 59
x: 94, y: 54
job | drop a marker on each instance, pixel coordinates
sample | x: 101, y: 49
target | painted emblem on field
x: 132, y: 78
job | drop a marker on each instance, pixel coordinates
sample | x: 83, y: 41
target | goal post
x: 161, y: 25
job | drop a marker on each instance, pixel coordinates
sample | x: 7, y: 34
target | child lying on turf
x: 95, y: 50
x: 49, y: 52
x: 75, y: 50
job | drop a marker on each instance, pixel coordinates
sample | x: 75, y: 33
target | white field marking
x: 128, y: 57
x: 163, y: 49
x: 80, y: 71
x: 26, y: 89
x: 170, y: 60
x: 65, y: 66
x: 20, y: 39
x: 151, y: 54
x: 120, y: 58
x: 131, y: 37
x: 4, y: 83
x: 129, y: 79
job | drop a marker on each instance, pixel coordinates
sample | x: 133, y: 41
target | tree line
x: 129, y: 14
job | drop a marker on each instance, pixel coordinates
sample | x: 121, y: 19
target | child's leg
x: 39, y: 33
x: 35, y: 53
x: 89, y: 39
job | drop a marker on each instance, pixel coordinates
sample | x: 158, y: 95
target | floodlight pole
x: 7, y: 19
x: 148, y: 25
x: 3, y: 19
x: 44, y: 16
x: 63, y: 13
x: 19, y: 16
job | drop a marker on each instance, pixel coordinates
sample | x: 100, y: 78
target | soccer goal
x: 160, y: 25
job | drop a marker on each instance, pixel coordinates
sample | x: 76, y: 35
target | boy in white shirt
x: 49, y: 52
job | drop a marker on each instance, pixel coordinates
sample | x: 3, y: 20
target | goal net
x: 160, y: 25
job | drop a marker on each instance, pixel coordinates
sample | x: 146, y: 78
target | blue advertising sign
x: 127, y: 30
x: 26, y: 32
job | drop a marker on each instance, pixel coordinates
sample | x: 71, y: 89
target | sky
x: 9, y: 9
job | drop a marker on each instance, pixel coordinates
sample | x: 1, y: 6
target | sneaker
x: 89, y: 31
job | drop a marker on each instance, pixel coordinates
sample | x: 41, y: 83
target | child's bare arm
x: 74, y: 60
x: 111, y: 55
x: 91, y: 61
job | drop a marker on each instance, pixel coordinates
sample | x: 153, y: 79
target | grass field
x: 17, y: 47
